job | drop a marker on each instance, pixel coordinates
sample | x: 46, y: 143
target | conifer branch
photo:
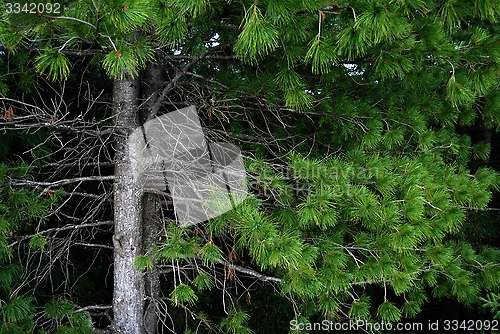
x: 75, y: 19
x: 66, y: 43
x: 253, y: 273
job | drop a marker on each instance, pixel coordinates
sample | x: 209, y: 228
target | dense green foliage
x: 357, y: 120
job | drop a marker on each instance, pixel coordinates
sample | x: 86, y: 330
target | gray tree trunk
x: 128, y: 293
x: 152, y: 223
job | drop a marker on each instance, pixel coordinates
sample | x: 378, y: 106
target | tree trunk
x: 151, y: 230
x: 152, y: 224
x: 128, y: 296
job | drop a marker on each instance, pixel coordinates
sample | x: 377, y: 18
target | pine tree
x: 352, y: 118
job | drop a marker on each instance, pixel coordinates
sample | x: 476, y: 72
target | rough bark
x: 151, y: 230
x: 152, y: 225
x: 128, y: 293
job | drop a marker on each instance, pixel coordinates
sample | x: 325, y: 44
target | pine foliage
x: 258, y: 37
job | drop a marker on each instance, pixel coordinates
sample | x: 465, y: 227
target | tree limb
x: 64, y: 228
x: 173, y: 82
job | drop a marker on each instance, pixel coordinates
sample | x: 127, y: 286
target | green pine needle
x: 183, y: 295
x: 54, y: 64
x: 388, y: 312
x: 258, y: 37
x: 321, y: 55
x: 120, y: 63
x: 143, y: 262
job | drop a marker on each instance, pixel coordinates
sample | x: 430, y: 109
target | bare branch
x: 64, y: 228
x: 59, y: 183
x: 93, y: 307
x: 253, y: 273
x: 173, y: 82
